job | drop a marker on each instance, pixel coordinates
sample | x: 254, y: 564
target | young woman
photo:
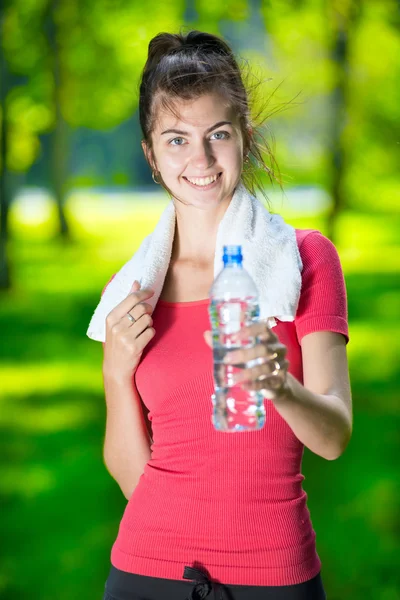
x: 226, y: 511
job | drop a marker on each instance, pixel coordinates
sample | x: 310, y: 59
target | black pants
x: 128, y: 586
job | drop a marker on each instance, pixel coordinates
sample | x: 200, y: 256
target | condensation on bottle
x: 233, y: 305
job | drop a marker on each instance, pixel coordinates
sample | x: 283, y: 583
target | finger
x: 141, y: 333
x: 140, y: 313
x: 135, y: 286
x: 127, y: 304
x: 260, y: 329
x: 139, y: 326
x: 208, y: 338
x: 137, y: 312
x: 140, y: 309
x: 273, y: 384
x: 249, y: 374
x: 267, y: 351
x: 260, y: 371
x: 143, y: 339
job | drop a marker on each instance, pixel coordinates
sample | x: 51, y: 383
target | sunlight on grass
x: 366, y: 230
x: 54, y: 377
x: 33, y: 215
x: 90, y: 214
x: 362, y: 350
x: 380, y: 259
x: 388, y: 306
x: 52, y: 409
x: 46, y: 419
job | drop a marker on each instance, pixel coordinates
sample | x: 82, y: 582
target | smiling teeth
x: 202, y: 181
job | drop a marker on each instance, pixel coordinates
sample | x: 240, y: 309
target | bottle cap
x: 232, y: 254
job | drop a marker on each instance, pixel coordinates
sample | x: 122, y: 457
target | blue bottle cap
x: 232, y: 254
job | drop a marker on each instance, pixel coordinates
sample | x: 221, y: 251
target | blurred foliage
x: 60, y: 508
x: 102, y: 46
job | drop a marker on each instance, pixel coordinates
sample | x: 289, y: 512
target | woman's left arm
x: 320, y: 411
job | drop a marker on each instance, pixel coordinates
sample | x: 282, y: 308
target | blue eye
x: 224, y: 134
x: 174, y: 140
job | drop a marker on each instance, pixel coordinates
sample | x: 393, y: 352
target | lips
x: 198, y: 182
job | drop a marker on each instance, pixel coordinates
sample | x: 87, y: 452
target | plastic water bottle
x: 233, y: 305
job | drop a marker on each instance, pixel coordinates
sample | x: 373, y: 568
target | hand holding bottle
x: 266, y: 365
x: 233, y: 306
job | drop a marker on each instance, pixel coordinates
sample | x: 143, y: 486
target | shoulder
x: 323, y: 299
x: 316, y: 250
x: 312, y: 239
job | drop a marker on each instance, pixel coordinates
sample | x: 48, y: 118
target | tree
x: 59, y: 138
x: 344, y: 17
x: 4, y: 199
x: 82, y: 72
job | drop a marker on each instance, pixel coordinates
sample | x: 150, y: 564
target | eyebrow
x: 179, y: 132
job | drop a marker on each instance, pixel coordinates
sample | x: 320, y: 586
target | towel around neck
x: 270, y: 255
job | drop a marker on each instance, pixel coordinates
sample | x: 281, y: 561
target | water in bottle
x: 233, y: 305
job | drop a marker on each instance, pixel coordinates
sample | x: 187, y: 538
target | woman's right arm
x: 127, y: 444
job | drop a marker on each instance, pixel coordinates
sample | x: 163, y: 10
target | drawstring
x: 203, y: 585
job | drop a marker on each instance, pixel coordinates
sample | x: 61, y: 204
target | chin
x: 207, y: 200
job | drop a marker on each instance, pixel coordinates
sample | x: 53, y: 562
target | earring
x: 247, y: 159
x: 153, y: 175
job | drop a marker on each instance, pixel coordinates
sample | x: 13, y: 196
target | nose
x: 202, y: 157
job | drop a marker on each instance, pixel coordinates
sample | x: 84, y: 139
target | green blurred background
x: 76, y: 200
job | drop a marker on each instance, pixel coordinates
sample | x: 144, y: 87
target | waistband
x: 203, y: 586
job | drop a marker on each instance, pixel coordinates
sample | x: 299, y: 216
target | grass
x: 61, y: 509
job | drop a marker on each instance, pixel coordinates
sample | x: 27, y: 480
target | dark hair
x: 186, y: 66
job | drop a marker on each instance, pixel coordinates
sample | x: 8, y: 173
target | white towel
x: 270, y: 256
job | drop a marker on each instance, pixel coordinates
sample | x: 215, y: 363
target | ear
x: 149, y: 155
x: 247, y: 135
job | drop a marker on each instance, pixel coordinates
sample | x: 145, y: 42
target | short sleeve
x: 323, y: 298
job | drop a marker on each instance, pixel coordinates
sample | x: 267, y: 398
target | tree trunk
x: 59, y: 141
x: 5, y: 277
x: 343, y: 15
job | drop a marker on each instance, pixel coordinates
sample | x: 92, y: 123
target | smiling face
x: 200, y: 154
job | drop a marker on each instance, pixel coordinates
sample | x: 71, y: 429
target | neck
x: 196, y: 233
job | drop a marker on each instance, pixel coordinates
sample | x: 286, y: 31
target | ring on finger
x: 277, y: 366
x: 132, y: 319
x: 274, y: 373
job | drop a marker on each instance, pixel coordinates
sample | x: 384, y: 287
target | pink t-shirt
x: 230, y: 503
